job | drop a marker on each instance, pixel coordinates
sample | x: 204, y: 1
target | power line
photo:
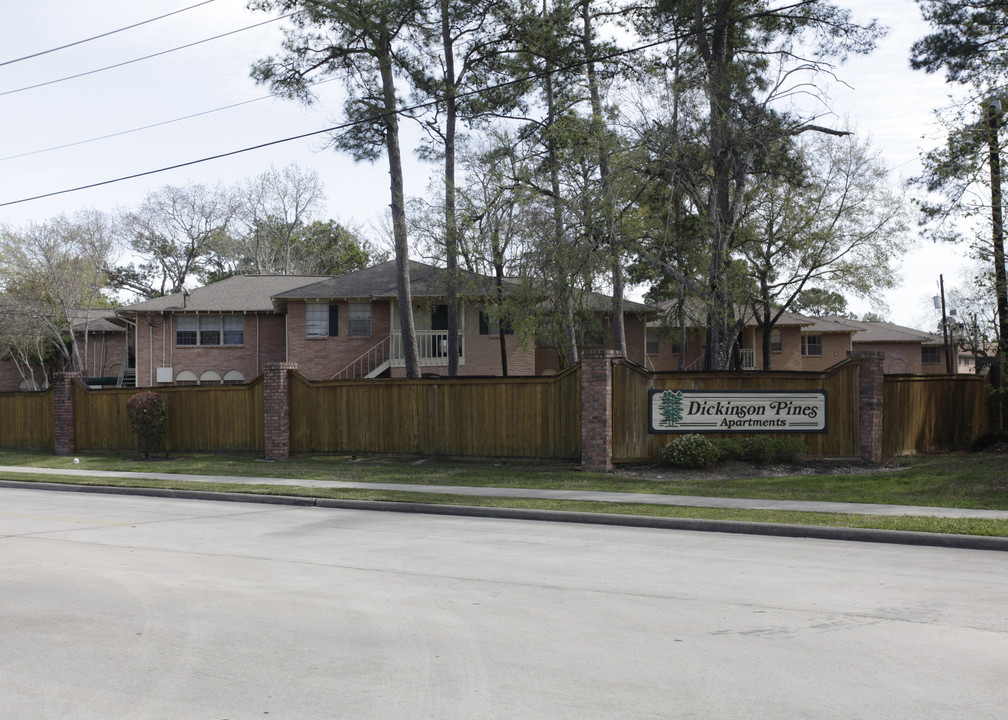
x: 145, y: 57
x: 147, y: 127
x: 346, y: 125
x: 102, y: 35
x: 341, y: 126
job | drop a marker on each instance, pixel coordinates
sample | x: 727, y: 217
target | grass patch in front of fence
x: 958, y: 526
x: 967, y: 480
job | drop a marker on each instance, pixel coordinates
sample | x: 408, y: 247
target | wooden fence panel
x: 631, y: 383
x: 226, y: 418
x: 26, y: 420
x: 933, y: 412
x: 486, y: 417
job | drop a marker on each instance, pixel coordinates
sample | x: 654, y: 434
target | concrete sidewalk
x: 586, y: 495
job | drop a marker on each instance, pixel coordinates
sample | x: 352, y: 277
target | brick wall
x: 276, y: 403
x: 596, y: 409
x: 263, y: 342
x: 63, y: 412
x: 321, y: 358
x: 870, y: 403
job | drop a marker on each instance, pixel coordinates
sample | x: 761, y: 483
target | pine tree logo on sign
x: 671, y: 408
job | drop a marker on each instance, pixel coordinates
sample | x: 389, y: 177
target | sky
x: 878, y: 96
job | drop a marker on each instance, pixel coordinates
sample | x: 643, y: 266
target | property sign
x: 728, y: 411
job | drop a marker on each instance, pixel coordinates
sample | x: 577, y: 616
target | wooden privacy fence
x: 528, y: 417
x: 933, y: 412
x: 205, y: 418
x: 26, y: 419
x: 631, y: 383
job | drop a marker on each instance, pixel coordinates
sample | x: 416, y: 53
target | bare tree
x: 274, y: 207
x: 52, y: 276
x: 175, y: 230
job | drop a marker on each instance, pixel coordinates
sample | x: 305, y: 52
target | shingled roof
x: 379, y: 281
x: 886, y: 332
x: 240, y: 293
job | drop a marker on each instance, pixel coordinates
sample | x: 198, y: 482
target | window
x: 652, y: 342
x: 209, y: 330
x: 811, y: 345
x: 186, y: 377
x: 210, y: 377
x: 185, y: 330
x: 489, y: 325
x: 775, y: 341
x: 678, y: 342
x: 234, y: 330
x: 359, y: 320
x: 233, y: 377
x: 930, y: 354
x: 316, y: 320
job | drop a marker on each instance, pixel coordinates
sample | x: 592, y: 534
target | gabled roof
x: 379, y: 281
x: 886, y: 332
x: 97, y: 320
x: 240, y: 293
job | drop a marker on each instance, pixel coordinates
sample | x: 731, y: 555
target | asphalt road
x: 129, y: 607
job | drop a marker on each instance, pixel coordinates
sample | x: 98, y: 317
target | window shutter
x: 484, y: 324
x: 333, y: 320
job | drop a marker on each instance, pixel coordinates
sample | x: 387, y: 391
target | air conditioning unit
x: 165, y: 374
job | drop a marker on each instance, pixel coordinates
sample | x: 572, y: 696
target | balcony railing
x: 432, y: 345
x: 748, y: 358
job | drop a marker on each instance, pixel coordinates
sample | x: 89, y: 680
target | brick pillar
x: 276, y: 401
x: 870, y: 402
x: 63, y: 412
x: 596, y: 409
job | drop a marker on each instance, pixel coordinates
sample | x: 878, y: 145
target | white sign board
x: 728, y: 411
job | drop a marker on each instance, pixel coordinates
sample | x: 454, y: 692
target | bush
x: 691, y: 451
x: 149, y: 419
x: 764, y: 449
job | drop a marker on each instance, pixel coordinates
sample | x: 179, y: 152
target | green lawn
x: 978, y: 480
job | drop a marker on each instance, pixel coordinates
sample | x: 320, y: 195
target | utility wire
x: 145, y: 57
x: 362, y: 121
x: 148, y: 127
x: 104, y: 34
x: 346, y: 125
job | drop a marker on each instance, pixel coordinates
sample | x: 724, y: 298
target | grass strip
x: 960, y: 526
x: 966, y: 480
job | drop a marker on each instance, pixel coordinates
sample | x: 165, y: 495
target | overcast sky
x: 885, y: 101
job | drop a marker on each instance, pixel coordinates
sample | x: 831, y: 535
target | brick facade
x: 263, y: 342
x: 276, y: 403
x: 63, y: 412
x: 596, y: 409
x: 870, y: 403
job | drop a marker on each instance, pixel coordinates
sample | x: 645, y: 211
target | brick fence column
x: 870, y: 402
x: 596, y: 409
x: 63, y: 411
x: 276, y: 402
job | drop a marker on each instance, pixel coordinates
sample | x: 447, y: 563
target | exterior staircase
x: 369, y: 365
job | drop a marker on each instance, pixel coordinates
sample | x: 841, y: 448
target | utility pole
x: 945, y: 338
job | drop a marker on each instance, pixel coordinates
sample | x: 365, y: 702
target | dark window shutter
x: 484, y: 324
x: 333, y: 320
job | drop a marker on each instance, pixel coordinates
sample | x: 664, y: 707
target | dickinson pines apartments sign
x: 726, y: 411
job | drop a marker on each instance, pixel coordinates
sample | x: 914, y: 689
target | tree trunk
x: 451, y: 226
x: 997, y: 227
x: 403, y: 293
x: 608, y: 211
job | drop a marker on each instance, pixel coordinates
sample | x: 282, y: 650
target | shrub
x: 764, y: 449
x: 149, y: 419
x: 691, y: 451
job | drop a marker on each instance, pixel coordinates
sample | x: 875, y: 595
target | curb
x: 738, y: 527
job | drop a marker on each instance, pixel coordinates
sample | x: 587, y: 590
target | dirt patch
x: 736, y: 469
